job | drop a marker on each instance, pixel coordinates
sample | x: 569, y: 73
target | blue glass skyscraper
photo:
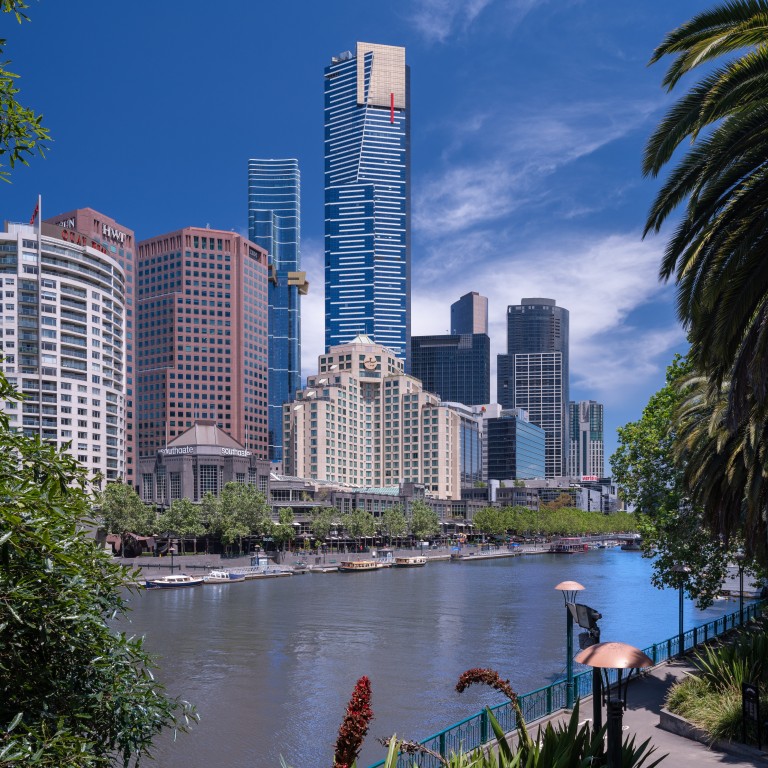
x: 274, y: 224
x: 367, y: 197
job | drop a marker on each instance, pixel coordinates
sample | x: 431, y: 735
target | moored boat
x: 410, y: 562
x: 223, y: 577
x: 173, y: 581
x: 352, y: 566
x: 568, y: 546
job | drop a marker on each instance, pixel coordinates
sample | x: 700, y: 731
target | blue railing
x: 474, y: 731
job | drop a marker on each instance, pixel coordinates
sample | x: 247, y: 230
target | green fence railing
x: 475, y: 730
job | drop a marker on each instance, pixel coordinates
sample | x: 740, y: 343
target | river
x: 271, y: 664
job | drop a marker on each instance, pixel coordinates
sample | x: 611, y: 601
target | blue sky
x: 528, y: 123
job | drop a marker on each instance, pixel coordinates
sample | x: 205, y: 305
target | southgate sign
x: 192, y: 450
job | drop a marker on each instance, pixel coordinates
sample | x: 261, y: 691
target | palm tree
x: 718, y: 254
x: 725, y: 469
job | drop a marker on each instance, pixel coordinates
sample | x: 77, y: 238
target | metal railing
x: 475, y: 730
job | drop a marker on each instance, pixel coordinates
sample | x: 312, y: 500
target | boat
x: 223, y: 577
x: 410, y: 562
x: 631, y: 546
x: 352, y: 566
x: 568, y: 546
x: 173, y: 581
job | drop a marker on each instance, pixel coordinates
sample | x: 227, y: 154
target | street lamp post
x: 172, y: 550
x: 740, y: 560
x: 618, y: 656
x: 569, y: 590
x: 682, y: 571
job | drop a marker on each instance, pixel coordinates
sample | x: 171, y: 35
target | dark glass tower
x: 274, y: 224
x: 367, y: 198
x: 516, y: 448
x: 533, y: 375
x: 456, y: 367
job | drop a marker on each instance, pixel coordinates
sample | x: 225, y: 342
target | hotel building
x: 367, y: 198
x: 62, y: 329
x: 201, y: 338
x: 274, y: 224
x: 362, y: 420
x: 120, y: 243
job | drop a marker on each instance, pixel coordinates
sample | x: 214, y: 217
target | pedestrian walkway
x: 644, y: 702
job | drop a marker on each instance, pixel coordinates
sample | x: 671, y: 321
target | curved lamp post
x: 569, y: 590
x: 682, y: 571
x: 621, y: 657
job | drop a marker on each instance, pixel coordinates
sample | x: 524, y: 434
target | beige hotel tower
x: 363, y: 421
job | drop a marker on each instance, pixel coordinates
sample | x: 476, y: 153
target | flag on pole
x: 34, y: 214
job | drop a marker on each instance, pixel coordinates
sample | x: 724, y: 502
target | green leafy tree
x: 359, y: 524
x: 75, y: 691
x: 239, y: 511
x: 122, y: 511
x: 490, y: 521
x: 284, y: 531
x: 21, y: 129
x: 423, y: 521
x: 652, y: 480
x: 717, y: 253
x: 393, y: 523
x: 322, y: 522
x: 183, y: 518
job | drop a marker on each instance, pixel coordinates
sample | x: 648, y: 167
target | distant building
x: 470, y: 445
x: 63, y: 342
x: 470, y: 314
x: 202, y: 459
x: 120, y: 243
x: 458, y: 368
x: 368, y: 197
x: 533, y: 375
x: 274, y: 224
x: 362, y: 420
x: 587, y: 460
x: 516, y: 448
x: 201, y: 337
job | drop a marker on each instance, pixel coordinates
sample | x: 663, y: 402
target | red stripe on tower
x: 392, y: 108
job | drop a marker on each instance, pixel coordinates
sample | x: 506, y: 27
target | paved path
x: 645, y: 700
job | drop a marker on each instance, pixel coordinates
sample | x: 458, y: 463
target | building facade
x: 63, y: 342
x: 456, y: 367
x: 201, y: 340
x: 367, y: 198
x: 362, y: 420
x: 120, y: 243
x: 202, y: 459
x: 587, y: 454
x: 470, y: 314
x: 274, y: 223
x: 533, y: 375
x: 470, y: 444
x: 516, y: 447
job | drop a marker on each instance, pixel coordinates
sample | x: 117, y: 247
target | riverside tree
x: 75, y: 691
x: 424, y: 521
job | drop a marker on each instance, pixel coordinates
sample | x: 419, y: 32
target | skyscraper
x: 533, y: 375
x: 120, y: 243
x: 456, y: 367
x: 587, y: 458
x: 516, y: 448
x: 274, y: 224
x: 470, y: 314
x: 201, y: 337
x: 367, y: 197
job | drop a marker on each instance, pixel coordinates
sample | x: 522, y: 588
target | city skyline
x: 526, y: 166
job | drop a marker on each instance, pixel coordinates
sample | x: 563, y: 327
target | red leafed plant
x: 492, y: 678
x: 354, y: 727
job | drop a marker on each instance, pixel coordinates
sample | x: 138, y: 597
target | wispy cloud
x: 437, y: 20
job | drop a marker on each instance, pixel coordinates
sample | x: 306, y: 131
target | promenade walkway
x: 645, y: 701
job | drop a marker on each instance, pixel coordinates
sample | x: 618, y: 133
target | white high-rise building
x: 362, y: 420
x: 62, y: 328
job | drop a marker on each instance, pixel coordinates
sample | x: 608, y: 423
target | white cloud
x: 312, y: 306
x: 437, y: 19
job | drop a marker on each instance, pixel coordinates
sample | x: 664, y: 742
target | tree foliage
x: 239, y: 511
x: 718, y: 253
x: 393, y: 523
x: 284, y: 531
x: 323, y: 520
x: 122, y: 511
x: 75, y: 692
x: 21, y: 130
x: 423, y: 521
x: 359, y: 524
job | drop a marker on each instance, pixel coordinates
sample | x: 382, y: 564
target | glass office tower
x: 274, y: 224
x: 367, y: 197
x: 533, y: 375
x: 587, y: 458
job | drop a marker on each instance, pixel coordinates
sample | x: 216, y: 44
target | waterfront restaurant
x: 202, y: 459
